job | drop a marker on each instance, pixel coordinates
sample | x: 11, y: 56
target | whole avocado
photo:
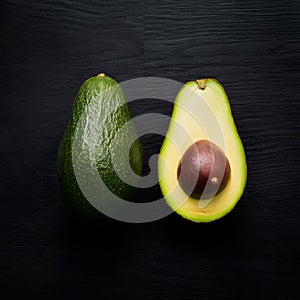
x: 98, y: 96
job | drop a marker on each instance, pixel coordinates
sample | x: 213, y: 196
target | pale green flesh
x: 201, y: 114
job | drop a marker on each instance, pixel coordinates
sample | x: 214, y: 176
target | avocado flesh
x: 189, y: 124
x: 101, y: 94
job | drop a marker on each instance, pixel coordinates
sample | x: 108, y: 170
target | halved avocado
x: 202, y: 113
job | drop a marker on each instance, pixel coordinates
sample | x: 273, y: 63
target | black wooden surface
x: 48, y: 48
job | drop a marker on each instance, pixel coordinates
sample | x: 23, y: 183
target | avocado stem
x: 101, y: 75
x: 201, y: 83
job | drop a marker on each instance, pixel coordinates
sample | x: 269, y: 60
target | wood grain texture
x: 48, y: 48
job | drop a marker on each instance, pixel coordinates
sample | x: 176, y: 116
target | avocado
x: 99, y: 112
x: 202, y: 166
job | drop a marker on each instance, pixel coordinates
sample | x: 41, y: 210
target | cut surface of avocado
x: 201, y: 112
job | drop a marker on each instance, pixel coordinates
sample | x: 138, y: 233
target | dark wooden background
x: 48, y: 48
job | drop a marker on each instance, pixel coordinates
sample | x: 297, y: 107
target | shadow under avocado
x: 93, y: 249
x: 219, y: 237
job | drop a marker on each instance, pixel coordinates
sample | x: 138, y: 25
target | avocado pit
x: 204, y: 170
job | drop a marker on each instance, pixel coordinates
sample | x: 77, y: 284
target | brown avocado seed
x: 204, y: 170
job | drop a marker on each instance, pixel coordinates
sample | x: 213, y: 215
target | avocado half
x: 201, y: 112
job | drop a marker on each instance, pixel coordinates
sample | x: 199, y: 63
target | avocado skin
x: 97, y: 93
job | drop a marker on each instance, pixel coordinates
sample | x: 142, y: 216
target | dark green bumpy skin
x: 97, y: 92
